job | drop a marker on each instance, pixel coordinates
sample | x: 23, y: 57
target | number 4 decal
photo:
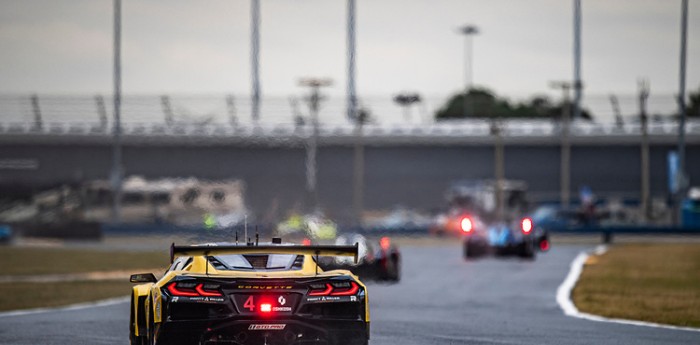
x: 249, y: 304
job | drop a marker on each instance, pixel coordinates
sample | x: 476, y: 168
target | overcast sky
x: 61, y: 46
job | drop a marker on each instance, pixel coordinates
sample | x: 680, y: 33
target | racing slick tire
x: 133, y: 338
x: 527, y: 250
x: 394, y: 272
x: 359, y: 342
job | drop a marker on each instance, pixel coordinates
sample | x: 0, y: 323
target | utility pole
x: 681, y: 113
x: 643, y: 86
x: 255, y: 58
x: 468, y: 31
x: 312, y: 143
x: 578, y: 85
x: 564, y: 169
x: 116, y: 174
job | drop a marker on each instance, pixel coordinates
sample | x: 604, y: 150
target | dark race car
x: 521, y: 238
x: 249, y: 294
x: 378, y: 260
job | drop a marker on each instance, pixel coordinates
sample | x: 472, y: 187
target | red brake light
x: 349, y: 292
x: 177, y: 292
x: 385, y: 243
x: 330, y: 290
x: 265, y: 307
x: 526, y: 225
x: 200, y: 290
x: 325, y: 292
x: 194, y: 291
x: 466, y: 224
x: 306, y: 242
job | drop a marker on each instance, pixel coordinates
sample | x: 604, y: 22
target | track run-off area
x: 441, y: 299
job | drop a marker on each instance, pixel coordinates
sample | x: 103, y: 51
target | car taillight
x: 544, y: 245
x: 346, y: 292
x: 526, y: 225
x: 193, y: 290
x: 385, y: 243
x: 323, y: 291
x: 466, y: 225
x: 340, y: 289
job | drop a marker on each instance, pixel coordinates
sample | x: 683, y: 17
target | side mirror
x: 143, y: 278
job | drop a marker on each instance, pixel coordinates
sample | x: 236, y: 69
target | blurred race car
x: 250, y: 294
x: 378, y: 260
x: 521, y: 238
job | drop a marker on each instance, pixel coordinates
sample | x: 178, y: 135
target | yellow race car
x: 246, y: 294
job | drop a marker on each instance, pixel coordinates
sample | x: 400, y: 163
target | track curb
x: 569, y: 308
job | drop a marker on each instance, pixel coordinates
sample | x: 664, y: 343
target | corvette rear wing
x: 315, y: 250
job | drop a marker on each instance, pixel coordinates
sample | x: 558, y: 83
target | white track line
x: 79, y: 306
x: 567, y: 305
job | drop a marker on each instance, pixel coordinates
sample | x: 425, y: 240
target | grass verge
x: 37, y: 295
x: 648, y: 282
x: 37, y: 260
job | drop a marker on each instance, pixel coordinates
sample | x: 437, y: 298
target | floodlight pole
x: 312, y: 143
x: 116, y: 173
x: 468, y: 31
x: 644, y: 121
x: 577, y: 60
x: 682, y: 111
x: 255, y: 58
x: 354, y: 116
x: 565, y: 167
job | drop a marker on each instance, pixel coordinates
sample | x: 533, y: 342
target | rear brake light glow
x: 349, y: 292
x: 265, y: 308
x: 325, y: 292
x: 173, y: 289
x: 544, y: 245
x: 306, y: 242
x: 466, y: 225
x: 191, y: 290
x: 200, y: 290
x: 385, y: 243
x: 526, y: 225
x: 347, y: 289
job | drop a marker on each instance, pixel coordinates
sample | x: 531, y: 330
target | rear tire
x: 395, y: 272
x: 527, y: 250
x: 469, y: 251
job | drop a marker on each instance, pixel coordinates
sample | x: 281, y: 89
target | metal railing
x: 227, y: 115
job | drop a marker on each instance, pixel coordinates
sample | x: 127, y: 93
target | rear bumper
x: 238, y: 331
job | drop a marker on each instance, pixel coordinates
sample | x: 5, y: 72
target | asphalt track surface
x: 441, y: 299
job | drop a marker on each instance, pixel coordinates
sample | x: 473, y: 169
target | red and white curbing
x: 567, y: 305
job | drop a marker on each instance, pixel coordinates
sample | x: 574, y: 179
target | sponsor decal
x: 281, y: 300
x: 267, y: 327
x: 264, y: 287
x: 202, y: 299
x: 289, y: 309
x: 176, y: 298
x: 353, y: 298
x: 323, y: 299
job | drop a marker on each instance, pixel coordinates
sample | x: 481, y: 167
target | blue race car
x: 502, y: 238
